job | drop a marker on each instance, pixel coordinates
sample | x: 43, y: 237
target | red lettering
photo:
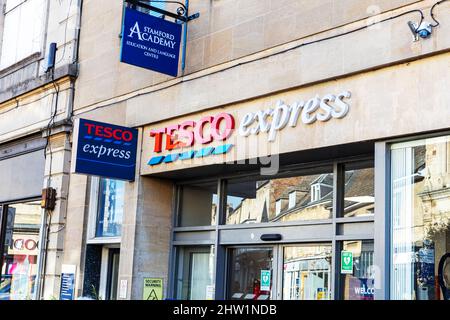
x: 158, y: 134
x: 116, y: 134
x: 199, y: 134
x: 171, y: 143
x: 98, y: 131
x: 107, y: 132
x: 127, y: 136
x: 89, y: 127
x: 30, y: 244
x: 229, y: 126
x: 186, y: 137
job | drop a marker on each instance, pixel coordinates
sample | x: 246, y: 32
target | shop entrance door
x: 289, y: 272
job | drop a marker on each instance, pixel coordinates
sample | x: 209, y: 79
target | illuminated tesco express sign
x: 221, y: 126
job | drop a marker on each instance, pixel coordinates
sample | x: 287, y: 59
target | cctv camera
x: 424, y: 30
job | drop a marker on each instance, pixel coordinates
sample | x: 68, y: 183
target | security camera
x: 424, y: 30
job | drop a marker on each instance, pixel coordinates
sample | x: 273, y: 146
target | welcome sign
x: 150, y: 42
x: 104, y: 150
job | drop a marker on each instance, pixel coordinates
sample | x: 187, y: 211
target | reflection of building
x: 304, y: 198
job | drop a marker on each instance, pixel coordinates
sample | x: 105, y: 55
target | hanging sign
x: 346, y: 262
x: 153, y: 289
x: 150, y: 42
x: 104, y: 150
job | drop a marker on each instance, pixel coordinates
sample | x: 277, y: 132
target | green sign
x: 346, y: 262
x: 153, y: 289
x: 265, y: 280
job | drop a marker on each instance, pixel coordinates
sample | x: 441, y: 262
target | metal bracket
x: 181, y: 15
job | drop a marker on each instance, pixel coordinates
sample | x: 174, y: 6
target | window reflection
x: 359, y: 195
x: 307, y: 272
x: 198, y: 205
x: 359, y: 285
x: 19, y: 269
x: 195, y: 280
x: 294, y: 198
x: 110, y: 208
x: 420, y: 186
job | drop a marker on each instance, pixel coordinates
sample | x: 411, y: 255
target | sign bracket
x: 182, y: 13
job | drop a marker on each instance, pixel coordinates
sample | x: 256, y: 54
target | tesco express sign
x: 270, y: 121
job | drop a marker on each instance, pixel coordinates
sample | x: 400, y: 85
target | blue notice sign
x: 105, y: 150
x: 67, y: 286
x: 150, y: 42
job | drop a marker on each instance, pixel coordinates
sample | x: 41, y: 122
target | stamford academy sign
x: 150, y: 42
x: 220, y: 127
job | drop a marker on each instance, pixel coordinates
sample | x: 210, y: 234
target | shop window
x: 359, y: 191
x: 23, y: 30
x: 195, y: 273
x: 21, y: 250
x: 420, y: 209
x: 307, y: 272
x: 198, y: 205
x: 260, y: 201
x: 358, y: 283
x: 110, y: 208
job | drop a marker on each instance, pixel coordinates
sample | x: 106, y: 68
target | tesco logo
x: 187, y: 133
x: 108, y: 132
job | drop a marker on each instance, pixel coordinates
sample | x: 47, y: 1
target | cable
x: 432, y: 12
x: 266, y: 57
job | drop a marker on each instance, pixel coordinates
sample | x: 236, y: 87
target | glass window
x: 23, y: 30
x: 359, y: 284
x: 250, y: 273
x: 110, y: 208
x: 195, y: 276
x: 307, y: 272
x: 21, y: 246
x: 420, y: 207
x: 198, y: 205
x: 250, y: 201
x: 359, y: 193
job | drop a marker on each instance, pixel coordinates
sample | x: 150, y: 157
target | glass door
x: 250, y: 273
x: 289, y: 272
x: 306, y: 272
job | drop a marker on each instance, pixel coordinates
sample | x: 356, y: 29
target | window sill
x: 104, y: 240
x: 34, y: 57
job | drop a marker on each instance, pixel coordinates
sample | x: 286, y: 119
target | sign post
x: 346, y: 262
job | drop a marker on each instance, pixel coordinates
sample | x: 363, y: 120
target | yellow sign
x: 153, y: 289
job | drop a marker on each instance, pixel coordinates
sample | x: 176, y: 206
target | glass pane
x: 359, y: 194
x: 114, y: 273
x: 110, y: 208
x: 420, y: 205
x: 195, y: 273
x: 23, y: 30
x: 307, y: 272
x: 19, y: 269
x: 198, y: 205
x: 250, y: 274
x: 359, y: 285
x: 294, y: 198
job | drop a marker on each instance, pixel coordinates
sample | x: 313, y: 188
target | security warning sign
x: 153, y: 289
